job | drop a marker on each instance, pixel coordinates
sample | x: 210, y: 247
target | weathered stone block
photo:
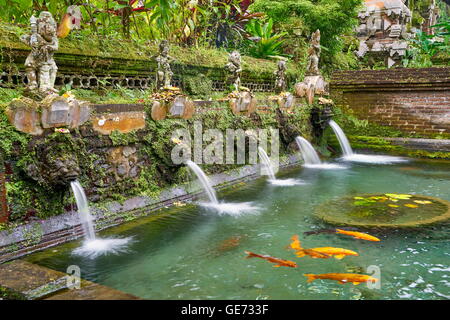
x: 159, y: 111
x: 242, y: 102
x: 24, y: 114
x: 180, y: 107
x: 311, y: 86
x: 55, y: 111
x: 123, y: 122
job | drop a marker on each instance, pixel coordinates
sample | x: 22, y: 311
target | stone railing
x: 90, y: 72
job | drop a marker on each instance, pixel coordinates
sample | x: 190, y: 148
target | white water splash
x: 349, y: 155
x: 287, y: 182
x: 92, y: 246
x: 98, y: 247
x: 232, y: 209
x: 325, y: 166
x: 377, y: 159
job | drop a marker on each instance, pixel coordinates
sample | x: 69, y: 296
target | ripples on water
x: 178, y: 254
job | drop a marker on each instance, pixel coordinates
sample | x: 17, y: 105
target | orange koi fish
x: 301, y: 252
x: 279, y: 262
x: 338, y: 253
x: 354, y: 234
x: 342, y: 277
x: 229, y: 244
x: 322, y: 252
x: 358, y: 235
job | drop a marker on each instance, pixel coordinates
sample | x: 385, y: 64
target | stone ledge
x: 35, y: 282
x: 399, y: 78
x: 435, y: 145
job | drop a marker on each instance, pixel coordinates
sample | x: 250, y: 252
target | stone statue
x: 280, y: 77
x: 40, y: 66
x: 314, y: 83
x: 234, y: 67
x: 314, y: 50
x: 164, y: 72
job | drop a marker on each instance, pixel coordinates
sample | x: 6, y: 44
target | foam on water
x: 325, y: 166
x: 99, y: 247
x: 379, y: 159
x: 286, y: 182
x: 232, y: 209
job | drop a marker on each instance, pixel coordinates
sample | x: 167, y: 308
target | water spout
x: 92, y: 246
x: 309, y: 155
x: 206, y: 184
x: 233, y: 209
x: 83, y: 210
x: 265, y: 160
x: 349, y: 155
x: 342, y: 138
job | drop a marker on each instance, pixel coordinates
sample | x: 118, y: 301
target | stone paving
x: 40, y: 283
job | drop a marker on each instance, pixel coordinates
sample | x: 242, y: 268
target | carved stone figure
x: 40, y: 66
x: 314, y: 50
x: 164, y: 72
x: 383, y: 30
x: 314, y: 83
x: 280, y: 77
x: 234, y: 67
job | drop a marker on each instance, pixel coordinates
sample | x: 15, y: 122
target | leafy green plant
x: 268, y: 43
x: 425, y: 46
x: 334, y: 18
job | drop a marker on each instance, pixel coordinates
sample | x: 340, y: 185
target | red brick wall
x: 412, y: 100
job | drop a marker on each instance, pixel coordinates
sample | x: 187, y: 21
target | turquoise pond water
x: 185, y: 252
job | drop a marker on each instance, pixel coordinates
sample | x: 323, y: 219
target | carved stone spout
x: 55, y: 162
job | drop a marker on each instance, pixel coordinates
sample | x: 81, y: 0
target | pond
x: 192, y: 252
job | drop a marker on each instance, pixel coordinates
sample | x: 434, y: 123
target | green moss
x: 7, y: 294
x: 385, y: 146
x: 98, y: 47
x: 123, y: 139
x: 198, y: 86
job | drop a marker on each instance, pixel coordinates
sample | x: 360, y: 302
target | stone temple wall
x: 411, y: 100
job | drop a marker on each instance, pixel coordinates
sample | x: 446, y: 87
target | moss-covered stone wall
x: 103, y: 59
x: 119, y: 166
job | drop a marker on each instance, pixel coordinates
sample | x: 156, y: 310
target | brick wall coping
x: 392, y: 79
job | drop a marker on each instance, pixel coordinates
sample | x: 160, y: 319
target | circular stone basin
x: 384, y: 210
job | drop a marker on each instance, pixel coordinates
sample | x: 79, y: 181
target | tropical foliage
x: 333, y: 17
x: 264, y: 42
x: 426, y: 46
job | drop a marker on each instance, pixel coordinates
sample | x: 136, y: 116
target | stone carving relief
x: 382, y: 30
